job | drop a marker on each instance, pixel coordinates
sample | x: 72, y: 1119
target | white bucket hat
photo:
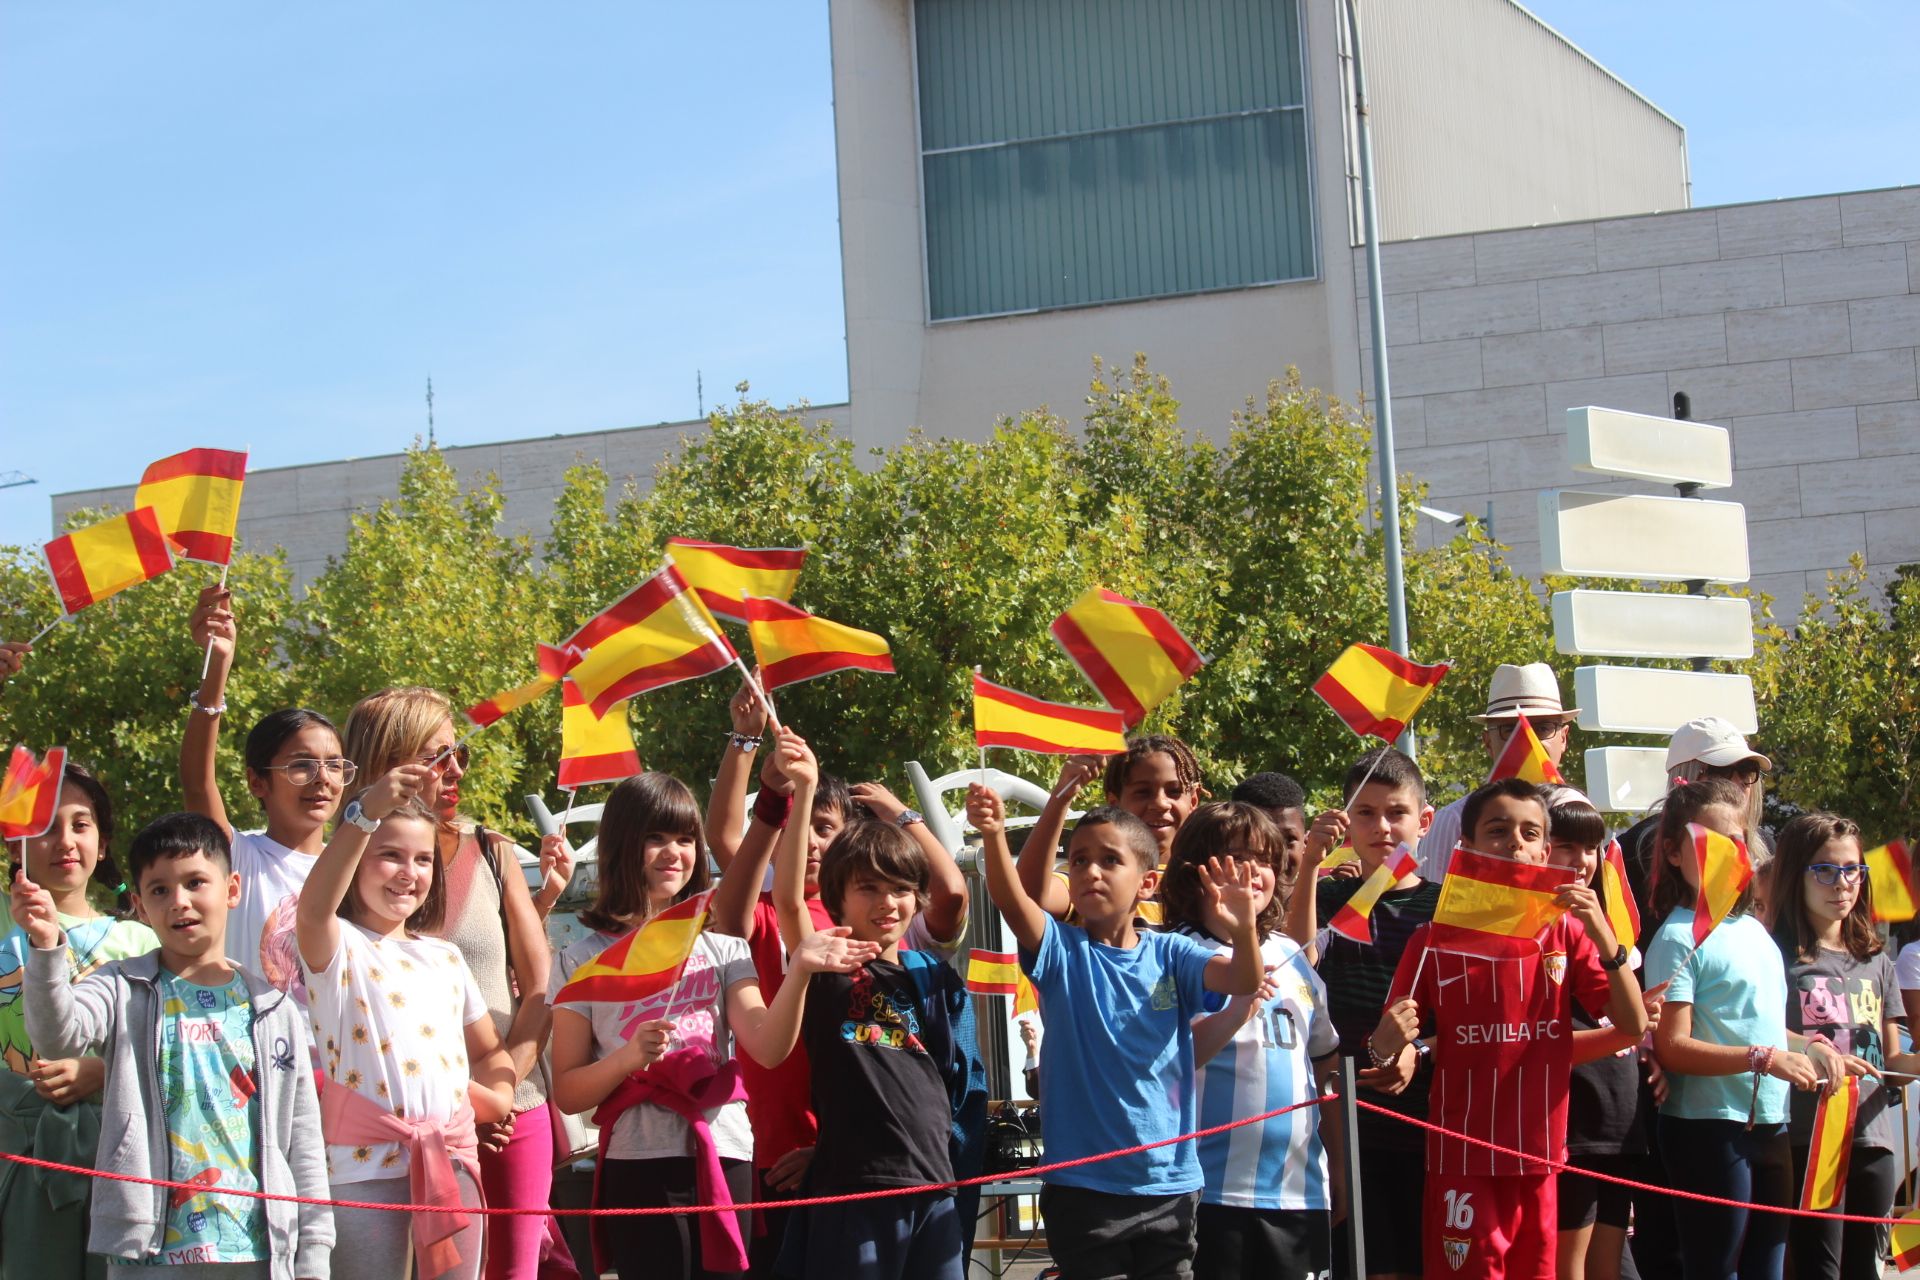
x: 1530, y: 691
x: 1713, y: 742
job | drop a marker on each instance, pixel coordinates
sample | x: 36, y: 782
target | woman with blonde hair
x: 499, y: 927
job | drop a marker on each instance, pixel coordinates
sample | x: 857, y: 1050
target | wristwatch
x: 909, y: 816
x: 358, y: 817
x: 1618, y: 960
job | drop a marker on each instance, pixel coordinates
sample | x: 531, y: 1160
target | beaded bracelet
x: 193, y: 700
x: 744, y: 741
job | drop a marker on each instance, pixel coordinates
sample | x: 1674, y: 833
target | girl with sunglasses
x: 295, y: 771
x: 1841, y: 992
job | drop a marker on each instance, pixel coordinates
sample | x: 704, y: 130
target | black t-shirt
x: 1358, y: 978
x: 1603, y: 1102
x: 882, y: 1105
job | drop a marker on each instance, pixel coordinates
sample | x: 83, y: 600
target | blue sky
x: 240, y: 224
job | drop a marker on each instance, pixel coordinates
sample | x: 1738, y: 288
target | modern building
x: 1026, y: 186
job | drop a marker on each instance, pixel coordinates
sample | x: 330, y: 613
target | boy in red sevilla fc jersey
x: 1503, y: 1048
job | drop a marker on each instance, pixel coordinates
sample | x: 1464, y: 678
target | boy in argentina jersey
x: 1500, y: 1009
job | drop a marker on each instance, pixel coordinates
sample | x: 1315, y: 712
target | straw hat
x: 1530, y: 691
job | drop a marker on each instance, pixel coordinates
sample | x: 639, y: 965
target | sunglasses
x: 1746, y: 773
x: 458, y: 754
x: 304, y: 770
x: 1833, y: 873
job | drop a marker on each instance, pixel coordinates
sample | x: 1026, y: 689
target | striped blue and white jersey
x: 1279, y: 1163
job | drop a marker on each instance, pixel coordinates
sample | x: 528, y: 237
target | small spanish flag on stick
x: 103, y: 559
x: 723, y: 576
x: 1354, y: 918
x: 1725, y: 873
x: 1890, y: 868
x: 791, y: 645
x: 30, y: 792
x: 645, y: 962
x: 1906, y: 1242
x: 1487, y: 894
x: 1525, y: 758
x: 1829, y: 1144
x: 997, y: 973
x: 1132, y: 655
x: 553, y: 665
x: 196, y: 496
x: 593, y: 749
x: 1623, y: 913
x: 649, y: 638
x: 1375, y: 691
x: 1003, y: 717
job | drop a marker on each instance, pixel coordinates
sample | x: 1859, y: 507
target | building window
x: 1085, y: 151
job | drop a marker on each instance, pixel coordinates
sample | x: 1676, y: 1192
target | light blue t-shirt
x: 1117, y: 1069
x: 1737, y: 986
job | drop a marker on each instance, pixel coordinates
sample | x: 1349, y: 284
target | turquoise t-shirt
x: 91, y: 942
x: 207, y: 1085
x: 1737, y: 986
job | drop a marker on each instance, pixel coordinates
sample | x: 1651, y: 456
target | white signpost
x: 1648, y: 538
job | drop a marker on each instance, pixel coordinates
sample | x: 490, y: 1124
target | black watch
x: 1618, y: 961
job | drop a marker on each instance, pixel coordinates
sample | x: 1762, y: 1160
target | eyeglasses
x: 459, y: 754
x: 1746, y: 773
x: 1543, y: 726
x: 1833, y: 873
x: 304, y: 770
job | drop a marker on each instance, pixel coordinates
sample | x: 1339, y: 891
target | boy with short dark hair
x: 1501, y: 1012
x: 226, y: 1055
x: 1285, y: 801
x: 1119, y: 1068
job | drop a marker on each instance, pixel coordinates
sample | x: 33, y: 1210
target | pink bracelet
x: 1760, y: 1058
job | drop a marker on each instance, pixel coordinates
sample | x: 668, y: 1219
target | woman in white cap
x: 1708, y: 747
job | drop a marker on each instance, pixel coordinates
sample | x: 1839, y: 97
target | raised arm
x: 794, y: 758
x: 1023, y: 915
x: 732, y: 910
x: 1230, y: 895
x: 63, y: 1021
x: 946, y: 913
x: 316, y: 927
x: 727, y: 806
x: 212, y: 624
x: 1302, y: 920
x: 1043, y: 838
x: 768, y: 1032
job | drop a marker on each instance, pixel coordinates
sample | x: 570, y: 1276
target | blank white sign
x: 1640, y: 624
x: 1626, y: 779
x: 1649, y: 700
x: 1610, y: 442
x: 1651, y: 539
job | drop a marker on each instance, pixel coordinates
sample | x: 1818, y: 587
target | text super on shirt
x: 1503, y: 1042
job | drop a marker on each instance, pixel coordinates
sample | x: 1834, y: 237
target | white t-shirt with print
x: 260, y: 929
x: 389, y: 1020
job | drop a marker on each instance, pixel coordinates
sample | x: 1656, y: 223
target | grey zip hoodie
x: 115, y: 1011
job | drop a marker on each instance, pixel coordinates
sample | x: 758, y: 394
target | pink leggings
x: 519, y: 1177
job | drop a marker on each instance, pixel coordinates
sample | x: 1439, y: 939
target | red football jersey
x: 1503, y: 1044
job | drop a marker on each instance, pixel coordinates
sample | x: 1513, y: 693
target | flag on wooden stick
x: 791, y: 645
x: 196, y: 495
x: 1890, y: 869
x: 1524, y: 757
x: 103, y: 559
x: 649, y: 638
x: 30, y: 793
x: 1725, y: 873
x: 1004, y: 717
x: 1132, y: 655
x: 1375, y: 691
x: 725, y: 576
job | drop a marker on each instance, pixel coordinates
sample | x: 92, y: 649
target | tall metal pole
x: 1382, y: 397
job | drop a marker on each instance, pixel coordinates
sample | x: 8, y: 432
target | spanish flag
x: 725, y: 576
x: 1623, y: 913
x: 1376, y: 691
x: 196, y: 494
x: 1906, y: 1242
x: 1829, y: 1145
x: 1132, y: 655
x: 1354, y: 918
x: 645, y: 962
x: 593, y: 748
x: 1487, y: 894
x: 1338, y: 858
x: 553, y: 665
x: 997, y: 973
x: 30, y: 792
x: 1005, y: 718
x: 1725, y: 873
x: 1890, y: 868
x: 651, y: 637
x: 101, y: 560
x: 1523, y: 757
x: 792, y: 645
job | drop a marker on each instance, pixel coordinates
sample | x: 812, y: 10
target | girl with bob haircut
x: 1840, y: 992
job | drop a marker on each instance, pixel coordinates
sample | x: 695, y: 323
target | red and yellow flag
x: 1525, y: 758
x: 645, y: 962
x: 1375, y: 691
x: 90, y: 564
x: 1623, y: 913
x: 1906, y: 1242
x: 792, y: 645
x: 553, y: 665
x: 651, y: 637
x: 1132, y: 655
x: 1828, y: 1146
x: 593, y: 748
x: 1354, y: 918
x: 1890, y: 868
x: 196, y: 494
x: 1003, y: 717
x: 725, y: 576
x: 1725, y: 873
x: 1487, y: 894
x: 997, y: 973
x: 30, y: 792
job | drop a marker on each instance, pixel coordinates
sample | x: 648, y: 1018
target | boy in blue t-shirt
x: 1119, y: 1068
